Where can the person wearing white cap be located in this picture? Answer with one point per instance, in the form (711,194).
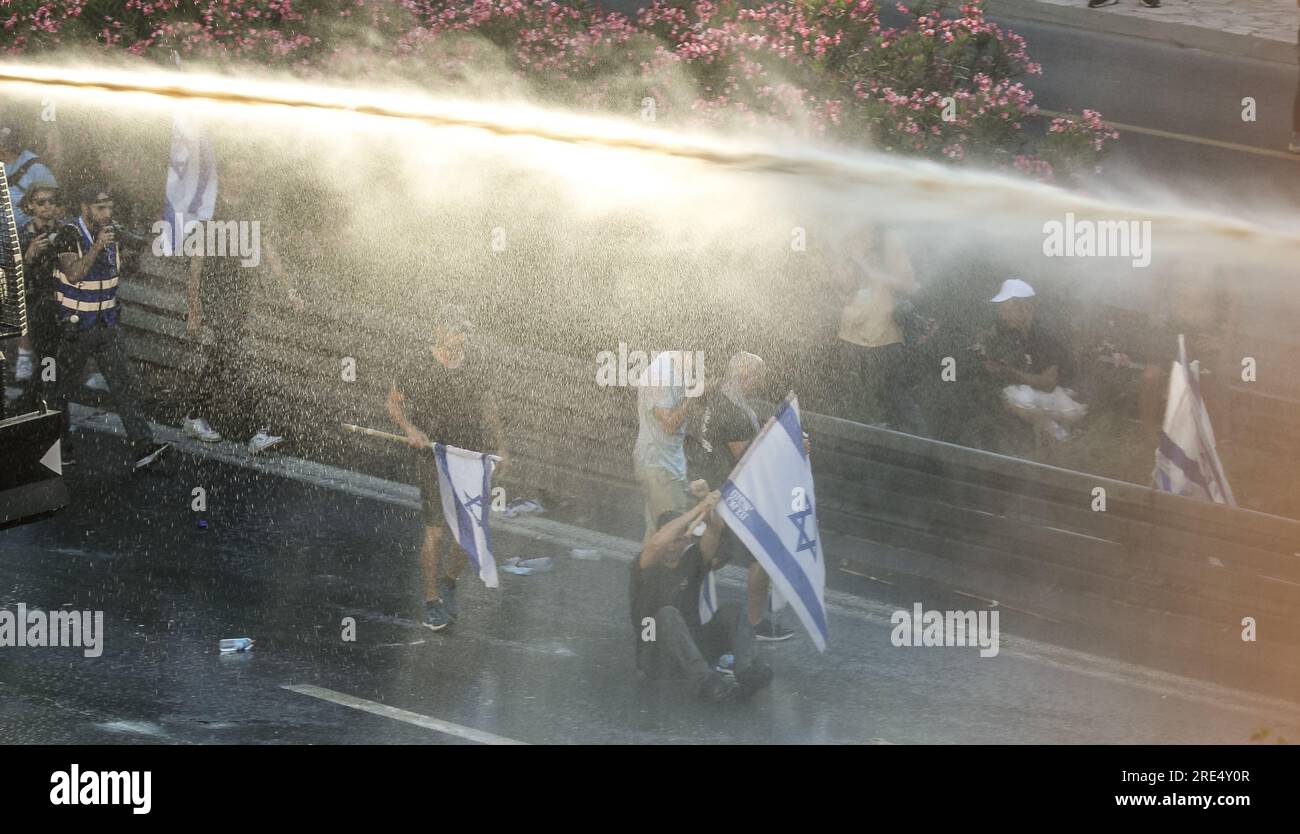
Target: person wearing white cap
(1029,364)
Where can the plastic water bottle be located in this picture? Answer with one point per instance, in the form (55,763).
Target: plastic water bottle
(238,644)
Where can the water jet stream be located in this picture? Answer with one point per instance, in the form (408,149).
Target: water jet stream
(836,169)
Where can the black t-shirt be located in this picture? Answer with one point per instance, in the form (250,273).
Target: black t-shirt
(1032,354)
(448,404)
(652,588)
(716,424)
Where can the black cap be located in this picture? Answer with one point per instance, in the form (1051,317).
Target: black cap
(91,194)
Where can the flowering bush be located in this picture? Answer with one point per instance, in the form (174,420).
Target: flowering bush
(944,86)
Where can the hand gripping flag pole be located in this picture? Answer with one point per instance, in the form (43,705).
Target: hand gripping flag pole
(769,503)
(465,484)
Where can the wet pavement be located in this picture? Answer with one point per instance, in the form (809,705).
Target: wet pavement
(545,658)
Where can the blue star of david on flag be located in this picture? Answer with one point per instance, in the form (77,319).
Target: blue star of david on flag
(799,519)
(465,482)
(474,504)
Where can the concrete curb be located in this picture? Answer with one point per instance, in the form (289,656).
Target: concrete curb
(1181,35)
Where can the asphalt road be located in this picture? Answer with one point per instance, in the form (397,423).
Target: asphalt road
(543,659)
(1192,94)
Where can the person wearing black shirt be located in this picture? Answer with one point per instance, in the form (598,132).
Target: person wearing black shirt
(35,239)
(1025,367)
(724,426)
(664,587)
(444,395)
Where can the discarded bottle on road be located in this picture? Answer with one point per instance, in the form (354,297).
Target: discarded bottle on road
(238,644)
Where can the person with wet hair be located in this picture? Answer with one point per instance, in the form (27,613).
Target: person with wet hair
(664,588)
(444,394)
(87,275)
(222,295)
(874,380)
(35,240)
(716,439)
(663,407)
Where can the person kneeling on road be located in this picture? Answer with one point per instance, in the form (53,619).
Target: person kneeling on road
(665,584)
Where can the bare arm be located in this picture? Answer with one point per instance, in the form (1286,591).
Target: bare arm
(414,436)
(664,537)
(671,419)
(75,268)
(712,538)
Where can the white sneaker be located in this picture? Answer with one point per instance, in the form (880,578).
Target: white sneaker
(262,441)
(199,429)
(1294,147)
(96,382)
(23,368)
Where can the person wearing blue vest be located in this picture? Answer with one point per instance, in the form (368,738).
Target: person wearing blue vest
(86,280)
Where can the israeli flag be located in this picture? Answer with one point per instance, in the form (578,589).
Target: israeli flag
(768,502)
(465,481)
(1186,461)
(708,597)
(191,181)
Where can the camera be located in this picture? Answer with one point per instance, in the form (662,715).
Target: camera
(125,235)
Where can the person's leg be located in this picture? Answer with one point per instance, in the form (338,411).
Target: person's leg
(854,379)
(674,653)
(898,394)
(758,587)
(110,356)
(43,336)
(69,364)
(430,549)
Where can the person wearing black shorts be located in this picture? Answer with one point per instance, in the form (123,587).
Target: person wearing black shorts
(444,395)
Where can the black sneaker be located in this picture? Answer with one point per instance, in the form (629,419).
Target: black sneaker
(752,679)
(1097,4)
(147,452)
(435,615)
(1151,4)
(719,689)
(771,632)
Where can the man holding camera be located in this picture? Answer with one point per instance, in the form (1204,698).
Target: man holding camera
(86,275)
(41,201)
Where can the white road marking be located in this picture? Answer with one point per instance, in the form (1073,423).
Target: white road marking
(428,723)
